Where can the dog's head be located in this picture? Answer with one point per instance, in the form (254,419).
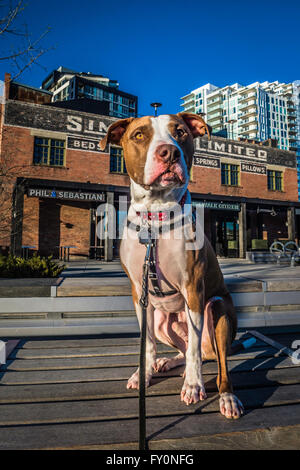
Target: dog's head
(158,151)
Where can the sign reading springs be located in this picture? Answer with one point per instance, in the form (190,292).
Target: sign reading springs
(204,161)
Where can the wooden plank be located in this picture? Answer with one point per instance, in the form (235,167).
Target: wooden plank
(279,438)
(89,370)
(127,408)
(86,435)
(117,389)
(89,342)
(60,353)
(65,376)
(84,352)
(131,360)
(82,342)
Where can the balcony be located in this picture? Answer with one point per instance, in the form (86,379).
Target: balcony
(216,107)
(247,123)
(248,104)
(188,102)
(248,97)
(249,111)
(243,92)
(251,129)
(214,100)
(214,116)
(190,109)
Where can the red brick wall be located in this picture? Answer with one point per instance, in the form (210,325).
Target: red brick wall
(31,213)
(81,166)
(84,166)
(75,226)
(207,180)
(49,223)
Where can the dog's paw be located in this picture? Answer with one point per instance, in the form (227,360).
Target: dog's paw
(192,393)
(163,364)
(134,382)
(230,406)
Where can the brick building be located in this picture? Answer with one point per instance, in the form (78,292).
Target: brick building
(248,191)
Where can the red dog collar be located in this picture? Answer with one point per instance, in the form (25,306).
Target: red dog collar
(159,216)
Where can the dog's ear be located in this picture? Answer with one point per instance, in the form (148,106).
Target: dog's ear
(115,132)
(196,124)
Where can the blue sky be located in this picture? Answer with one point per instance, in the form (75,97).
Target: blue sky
(160,50)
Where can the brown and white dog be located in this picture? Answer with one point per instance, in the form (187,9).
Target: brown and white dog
(198,318)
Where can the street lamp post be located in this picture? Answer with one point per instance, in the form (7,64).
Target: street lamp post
(155,106)
(231,122)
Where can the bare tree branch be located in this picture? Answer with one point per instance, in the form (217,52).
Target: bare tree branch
(26,50)
(10,17)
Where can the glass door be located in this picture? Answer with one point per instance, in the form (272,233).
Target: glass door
(225,241)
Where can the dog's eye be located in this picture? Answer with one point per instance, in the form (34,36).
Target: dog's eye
(180,132)
(139,136)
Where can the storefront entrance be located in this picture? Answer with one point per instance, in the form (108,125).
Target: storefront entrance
(224,233)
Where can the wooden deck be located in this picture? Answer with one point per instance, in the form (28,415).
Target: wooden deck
(70,393)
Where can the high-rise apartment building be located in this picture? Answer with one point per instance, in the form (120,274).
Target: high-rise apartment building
(66,85)
(259,111)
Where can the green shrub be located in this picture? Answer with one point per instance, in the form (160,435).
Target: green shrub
(14,266)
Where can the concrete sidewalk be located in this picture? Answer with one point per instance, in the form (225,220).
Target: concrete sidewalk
(96,273)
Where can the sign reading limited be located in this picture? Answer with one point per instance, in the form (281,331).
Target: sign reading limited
(66,195)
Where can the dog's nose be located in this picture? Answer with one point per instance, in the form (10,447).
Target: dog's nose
(168,153)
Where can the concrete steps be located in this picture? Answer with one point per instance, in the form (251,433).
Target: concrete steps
(265,257)
(109,307)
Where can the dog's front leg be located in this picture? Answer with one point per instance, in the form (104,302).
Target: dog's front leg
(193,388)
(133,382)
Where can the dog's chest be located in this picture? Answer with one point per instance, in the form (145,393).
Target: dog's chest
(170,266)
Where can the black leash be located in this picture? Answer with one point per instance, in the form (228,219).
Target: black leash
(145,239)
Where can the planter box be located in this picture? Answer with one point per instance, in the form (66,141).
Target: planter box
(257,244)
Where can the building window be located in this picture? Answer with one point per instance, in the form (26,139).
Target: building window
(275,180)
(49,152)
(117,161)
(229,174)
